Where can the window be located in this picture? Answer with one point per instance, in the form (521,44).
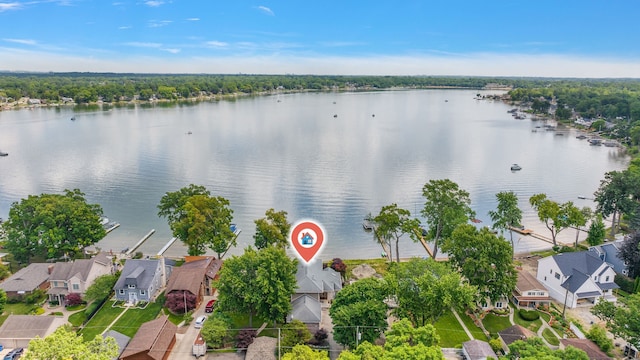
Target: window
(499,304)
(530,293)
(55,284)
(545,278)
(484,304)
(142,292)
(121,291)
(557,275)
(606,279)
(76,286)
(550,271)
(132,286)
(541,293)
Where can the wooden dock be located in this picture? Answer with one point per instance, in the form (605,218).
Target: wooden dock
(167,246)
(522,231)
(140,242)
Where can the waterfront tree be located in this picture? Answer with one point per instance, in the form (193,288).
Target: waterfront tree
(172,203)
(484,260)
(392,223)
(507,214)
(52,225)
(556,216)
(615,195)
(597,231)
(272,230)
(629,252)
(446,206)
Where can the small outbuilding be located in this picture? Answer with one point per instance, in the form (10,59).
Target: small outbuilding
(478,350)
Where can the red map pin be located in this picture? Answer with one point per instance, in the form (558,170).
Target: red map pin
(307,238)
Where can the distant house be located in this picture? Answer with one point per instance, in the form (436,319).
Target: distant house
(512,334)
(140,280)
(27,280)
(18,330)
(586,345)
(316,286)
(76,276)
(121,339)
(529,292)
(153,341)
(609,252)
(478,350)
(577,278)
(196,276)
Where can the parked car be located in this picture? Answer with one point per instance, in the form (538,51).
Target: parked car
(210,305)
(14,354)
(200,321)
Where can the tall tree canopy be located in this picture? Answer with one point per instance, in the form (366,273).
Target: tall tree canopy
(556,216)
(507,214)
(425,289)
(616,194)
(446,206)
(53,225)
(535,349)
(199,220)
(65,344)
(392,223)
(273,230)
(630,253)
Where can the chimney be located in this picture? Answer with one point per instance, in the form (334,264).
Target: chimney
(50,269)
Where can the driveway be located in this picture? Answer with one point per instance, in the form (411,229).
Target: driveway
(187,335)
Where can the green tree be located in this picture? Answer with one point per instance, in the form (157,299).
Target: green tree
(535,349)
(483,259)
(199,220)
(359,308)
(625,320)
(215,331)
(615,195)
(507,214)
(65,344)
(597,231)
(237,290)
(394,222)
(446,206)
(563,113)
(402,332)
(598,335)
(587,214)
(426,289)
(3,300)
(556,216)
(52,224)
(292,334)
(273,229)
(101,288)
(303,352)
(629,252)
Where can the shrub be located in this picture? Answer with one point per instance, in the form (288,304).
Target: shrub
(319,337)
(73,299)
(626,283)
(294,333)
(38,311)
(598,335)
(529,315)
(92,309)
(245,338)
(37,296)
(176,300)
(138,255)
(215,332)
(496,345)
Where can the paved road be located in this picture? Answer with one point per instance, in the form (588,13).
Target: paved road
(187,335)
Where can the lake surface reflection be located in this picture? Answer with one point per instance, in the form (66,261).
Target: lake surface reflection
(332,157)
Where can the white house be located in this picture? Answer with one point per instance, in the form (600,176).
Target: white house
(577,278)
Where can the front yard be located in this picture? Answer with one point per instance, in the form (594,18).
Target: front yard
(101,320)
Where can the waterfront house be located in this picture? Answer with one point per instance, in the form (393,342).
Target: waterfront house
(27,280)
(529,292)
(76,276)
(153,341)
(609,252)
(140,280)
(577,278)
(195,276)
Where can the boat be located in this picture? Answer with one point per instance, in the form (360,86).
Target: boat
(581,136)
(3,153)
(610,143)
(595,142)
(73,118)
(367,225)
(515,167)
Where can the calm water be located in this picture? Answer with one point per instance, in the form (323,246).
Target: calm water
(290,152)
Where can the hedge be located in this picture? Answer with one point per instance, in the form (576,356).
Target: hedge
(529,315)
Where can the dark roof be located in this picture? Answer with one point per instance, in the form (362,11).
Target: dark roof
(28,278)
(609,253)
(477,349)
(514,333)
(607,286)
(121,339)
(587,262)
(154,338)
(191,274)
(588,346)
(574,281)
(139,272)
(587,294)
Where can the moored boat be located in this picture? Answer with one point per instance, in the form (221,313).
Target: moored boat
(515,167)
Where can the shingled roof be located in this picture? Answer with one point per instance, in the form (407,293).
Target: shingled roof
(588,346)
(27,279)
(514,333)
(191,274)
(155,338)
(139,272)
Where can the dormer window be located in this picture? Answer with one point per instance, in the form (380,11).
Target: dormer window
(132,286)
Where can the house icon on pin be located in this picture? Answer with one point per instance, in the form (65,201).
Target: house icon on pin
(307,239)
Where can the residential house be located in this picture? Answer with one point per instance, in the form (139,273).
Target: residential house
(586,345)
(512,334)
(577,278)
(140,280)
(609,252)
(153,341)
(195,276)
(76,276)
(26,280)
(121,340)
(477,350)
(529,292)
(316,286)
(18,330)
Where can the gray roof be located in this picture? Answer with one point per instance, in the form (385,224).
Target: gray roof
(587,262)
(29,326)
(139,272)
(574,281)
(313,279)
(587,294)
(607,286)
(514,333)
(477,350)
(121,339)
(80,268)
(27,279)
(306,309)
(609,253)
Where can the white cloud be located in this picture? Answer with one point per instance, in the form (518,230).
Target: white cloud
(216,44)
(266,10)
(193,19)
(126,27)
(10,6)
(22,41)
(153,3)
(158,23)
(143,44)
(170,50)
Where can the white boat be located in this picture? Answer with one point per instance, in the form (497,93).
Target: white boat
(3,153)
(515,167)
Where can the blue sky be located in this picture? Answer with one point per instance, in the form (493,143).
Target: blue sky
(454,37)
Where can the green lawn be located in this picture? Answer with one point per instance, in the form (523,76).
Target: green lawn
(451,333)
(241,321)
(16,309)
(174,318)
(77,318)
(379,265)
(131,321)
(531,325)
(550,337)
(494,323)
(100,321)
(477,332)
(546,317)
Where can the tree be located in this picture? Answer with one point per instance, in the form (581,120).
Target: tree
(597,231)
(273,229)
(258,283)
(598,335)
(215,331)
(3,300)
(534,348)
(180,302)
(555,216)
(101,288)
(53,225)
(199,220)
(625,321)
(73,299)
(615,195)
(402,332)
(292,334)
(446,206)
(629,252)
(359,309)
(393,222)
(64,344)
(586,215)
(338,265)
(563,113)
(483,259)
(425,289)
(507,214)
(303,352)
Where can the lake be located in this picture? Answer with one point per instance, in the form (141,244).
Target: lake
(331,157)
